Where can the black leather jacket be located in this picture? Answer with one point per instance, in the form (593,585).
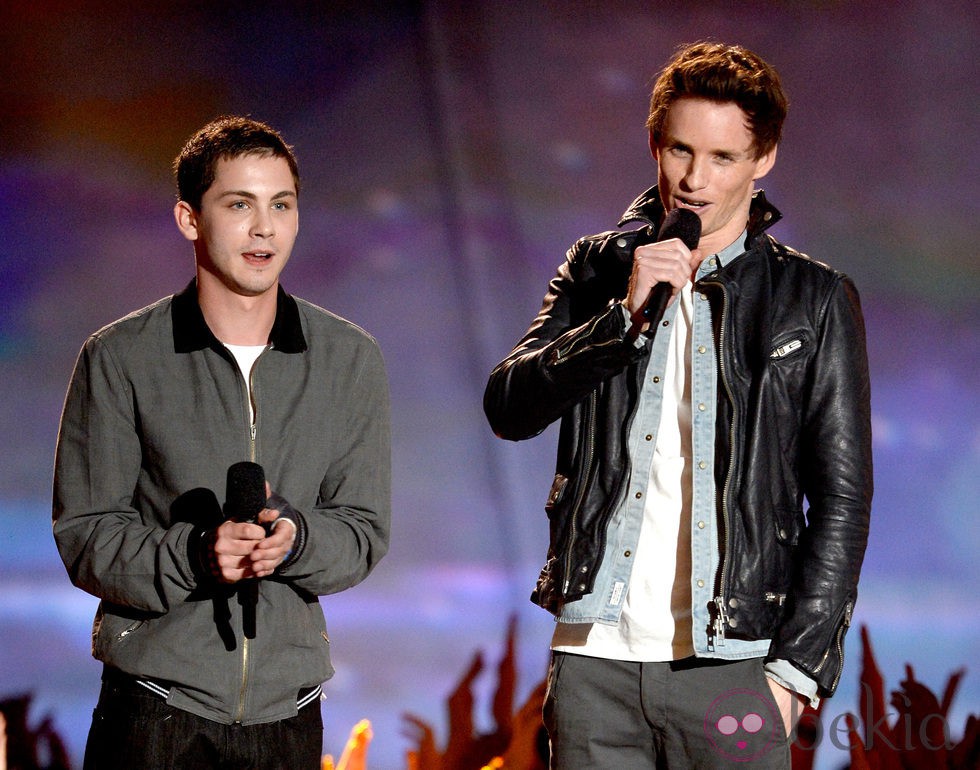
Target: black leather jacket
(793,421)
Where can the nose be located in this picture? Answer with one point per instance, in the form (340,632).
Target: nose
(262,224)
(695,175)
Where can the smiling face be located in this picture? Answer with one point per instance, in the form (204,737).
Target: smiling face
(707,163)
(246,226)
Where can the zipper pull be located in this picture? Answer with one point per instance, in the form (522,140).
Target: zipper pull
(786,349)
(720,621)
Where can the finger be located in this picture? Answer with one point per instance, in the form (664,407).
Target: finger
(267,515)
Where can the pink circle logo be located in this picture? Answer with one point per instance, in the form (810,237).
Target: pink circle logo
(742,725)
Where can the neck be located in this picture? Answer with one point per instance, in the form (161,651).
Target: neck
(236,319)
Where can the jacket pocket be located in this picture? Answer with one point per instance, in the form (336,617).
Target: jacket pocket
(112,631)
(789,345)
(786,524)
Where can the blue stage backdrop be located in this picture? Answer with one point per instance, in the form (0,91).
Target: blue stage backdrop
(449,157)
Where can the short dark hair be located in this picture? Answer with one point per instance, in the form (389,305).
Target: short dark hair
(230,136)
(723,73)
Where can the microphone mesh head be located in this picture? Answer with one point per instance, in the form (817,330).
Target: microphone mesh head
(683,224)
(245,491)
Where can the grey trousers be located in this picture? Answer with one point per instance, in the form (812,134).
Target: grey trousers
(678,715)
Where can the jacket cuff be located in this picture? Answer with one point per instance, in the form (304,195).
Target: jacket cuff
(199,555)
(789,676)
(286,511)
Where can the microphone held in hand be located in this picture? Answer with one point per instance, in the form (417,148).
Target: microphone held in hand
(245,492)
(679,223)
(244,499)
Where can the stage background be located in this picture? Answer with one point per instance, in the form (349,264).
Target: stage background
(449,157)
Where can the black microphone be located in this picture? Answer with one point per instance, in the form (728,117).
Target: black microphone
(245,492)
(244,498)
(679,223)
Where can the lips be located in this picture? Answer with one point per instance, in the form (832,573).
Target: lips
(687,203)
(257,255)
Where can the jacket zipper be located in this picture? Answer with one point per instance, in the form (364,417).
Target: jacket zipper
(721,618)
(563,354)
(838,645)
(128,630)
(252,410)
(848,609)
(583,486)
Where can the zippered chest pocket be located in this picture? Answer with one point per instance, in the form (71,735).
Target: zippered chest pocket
(790,345)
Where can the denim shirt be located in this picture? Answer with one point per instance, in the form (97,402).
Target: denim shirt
(604,604)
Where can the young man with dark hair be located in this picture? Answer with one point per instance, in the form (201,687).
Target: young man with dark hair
(210,630)
(699,605)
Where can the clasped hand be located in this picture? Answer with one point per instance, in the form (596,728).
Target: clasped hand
(242,550)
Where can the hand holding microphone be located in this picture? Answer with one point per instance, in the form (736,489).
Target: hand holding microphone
(240,549)
(681,224)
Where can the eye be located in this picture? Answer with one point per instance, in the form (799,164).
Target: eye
(239,205)
(281,206)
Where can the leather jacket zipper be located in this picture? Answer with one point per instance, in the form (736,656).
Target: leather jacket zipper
(579,344)
(721,618)
(838,644)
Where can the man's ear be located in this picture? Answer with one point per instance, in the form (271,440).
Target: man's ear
(186,218)
(765,163)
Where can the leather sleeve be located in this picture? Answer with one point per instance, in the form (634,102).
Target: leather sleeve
(578,340)
(837,481)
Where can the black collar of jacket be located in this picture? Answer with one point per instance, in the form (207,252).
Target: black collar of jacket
(191,331)
(648,208)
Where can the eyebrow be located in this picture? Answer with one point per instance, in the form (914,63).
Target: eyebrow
(252,196)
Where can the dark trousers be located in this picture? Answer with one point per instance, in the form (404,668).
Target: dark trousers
(135,729)
(654,716)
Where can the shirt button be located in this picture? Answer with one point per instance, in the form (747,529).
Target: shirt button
(627,554)
(648,437)
(701,407)
(702,465)
(656,380)
(712,261)
(700,525)
(704,297)
(702,349)
(700,584)
(666,323)
(639,495)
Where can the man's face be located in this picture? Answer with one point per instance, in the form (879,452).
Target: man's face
(247,224)
(707,164)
